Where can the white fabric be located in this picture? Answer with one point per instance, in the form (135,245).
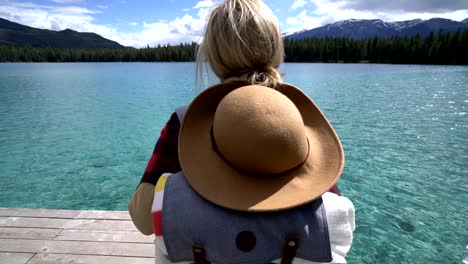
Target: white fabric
(340,217)
(180,111)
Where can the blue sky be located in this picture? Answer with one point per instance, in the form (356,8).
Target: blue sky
(150,22)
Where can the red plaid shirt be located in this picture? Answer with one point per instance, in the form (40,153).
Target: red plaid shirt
(165,157)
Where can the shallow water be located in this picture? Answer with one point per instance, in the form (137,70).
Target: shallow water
(78,136)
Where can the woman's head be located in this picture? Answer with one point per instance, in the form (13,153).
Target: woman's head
(242,41)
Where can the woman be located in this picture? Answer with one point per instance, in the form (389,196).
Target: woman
(255,154)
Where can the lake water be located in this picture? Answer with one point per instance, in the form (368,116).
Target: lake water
(78,136)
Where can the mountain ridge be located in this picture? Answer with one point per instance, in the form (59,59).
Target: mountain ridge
(368,28)
(15,34)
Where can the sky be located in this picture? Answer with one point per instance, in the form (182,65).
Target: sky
(139,23)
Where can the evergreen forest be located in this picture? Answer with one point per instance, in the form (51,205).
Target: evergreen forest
(436,48)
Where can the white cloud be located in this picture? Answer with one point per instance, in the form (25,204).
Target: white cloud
(102,6)
(204,4)
(69,1)
(299,20)
(48,17)
(133,23)
(187,28)
(327,11)
(277,10)
(298,3)
(185,9)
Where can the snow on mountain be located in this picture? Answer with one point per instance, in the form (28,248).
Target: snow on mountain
(362,28)
(402,25)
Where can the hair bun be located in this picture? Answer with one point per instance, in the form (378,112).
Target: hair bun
(267,76)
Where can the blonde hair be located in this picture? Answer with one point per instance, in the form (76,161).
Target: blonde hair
(242,41)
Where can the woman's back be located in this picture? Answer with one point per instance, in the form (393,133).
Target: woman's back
(257,157)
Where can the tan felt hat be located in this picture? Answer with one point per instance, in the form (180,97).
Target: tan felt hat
(253,148)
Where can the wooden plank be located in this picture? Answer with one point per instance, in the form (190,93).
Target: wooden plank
(83,224)
(31,233)
(26,212)
(109,236)
(14,258)
(67,236)
(33,222)
(86,259)
(77,248)
(77,214)
(109,215)
(104,225)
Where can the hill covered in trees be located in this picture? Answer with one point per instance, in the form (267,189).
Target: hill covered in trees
(19,35)
(441,48)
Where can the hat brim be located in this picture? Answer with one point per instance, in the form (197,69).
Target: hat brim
(215,180)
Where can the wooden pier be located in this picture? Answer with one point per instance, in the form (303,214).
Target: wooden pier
(35,236)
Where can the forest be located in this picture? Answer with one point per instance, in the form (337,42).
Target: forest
(437,48)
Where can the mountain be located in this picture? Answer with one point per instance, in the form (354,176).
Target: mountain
(353,28)
(362,28)
(402,25)
(19,35)
(434,25)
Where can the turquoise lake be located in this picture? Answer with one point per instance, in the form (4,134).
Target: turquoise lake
(78,136)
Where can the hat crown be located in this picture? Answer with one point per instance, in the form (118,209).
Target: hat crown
(259,130)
